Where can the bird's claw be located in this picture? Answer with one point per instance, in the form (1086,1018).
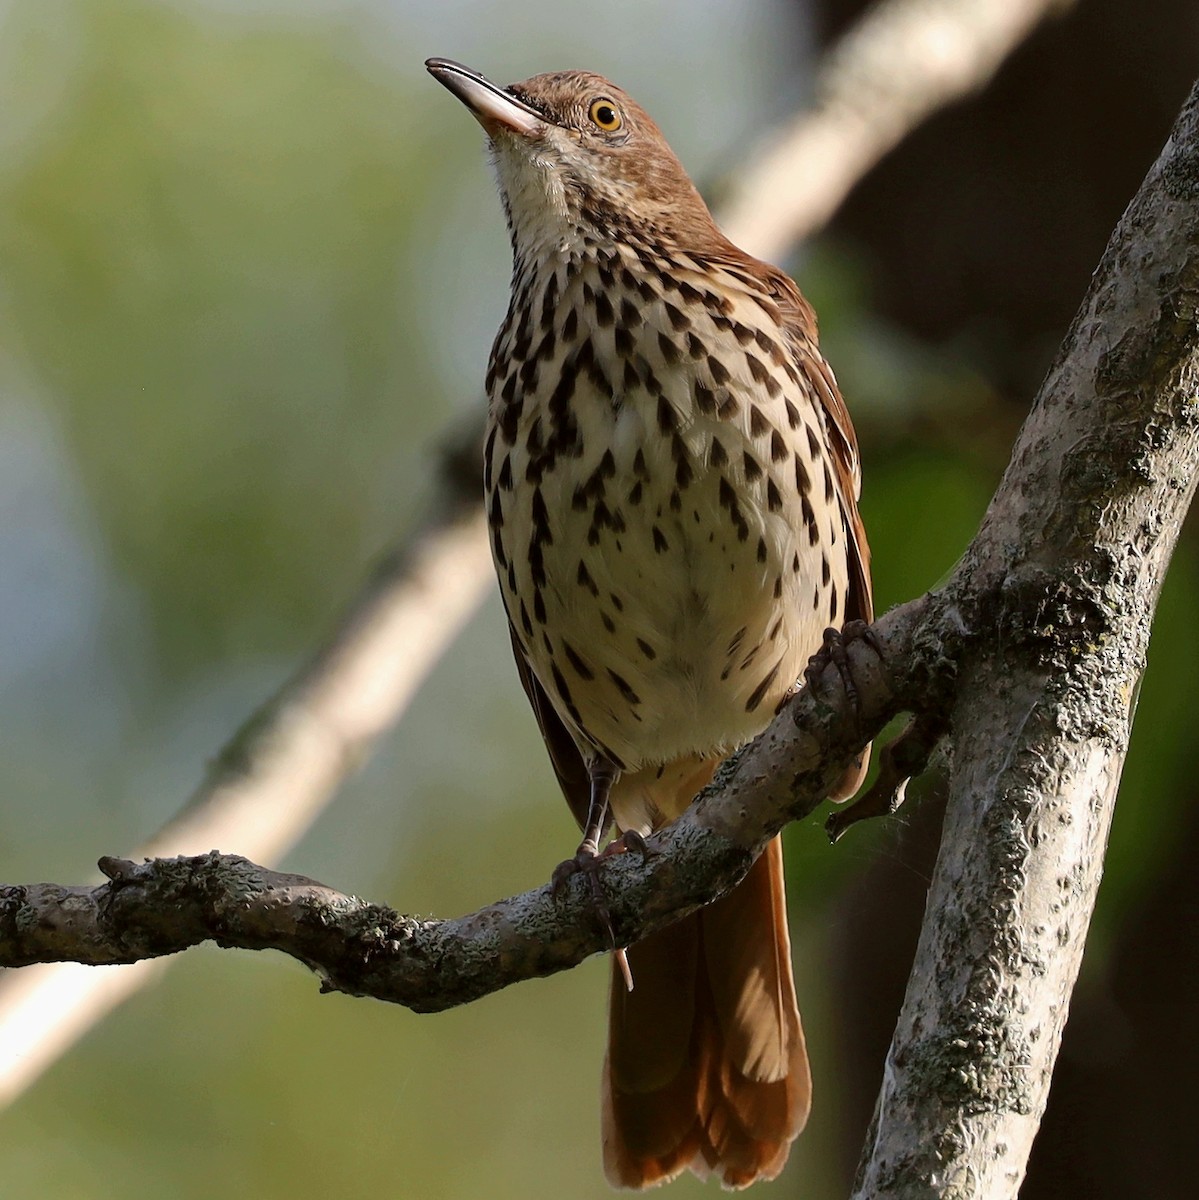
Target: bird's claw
(833,650)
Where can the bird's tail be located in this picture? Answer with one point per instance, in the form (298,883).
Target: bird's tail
(706,1064)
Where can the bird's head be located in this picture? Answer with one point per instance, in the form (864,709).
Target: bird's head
(577,157)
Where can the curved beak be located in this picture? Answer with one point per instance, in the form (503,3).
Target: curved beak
(492,107)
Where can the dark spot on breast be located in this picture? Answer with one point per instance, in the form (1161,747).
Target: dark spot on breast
(743,333)
(717,456)
(757,368)
(803,481)
(630,315)
(583,579)
(759,692)
(585,360)
(705,398)
(549,300)
(661,545)
(695,347)
(829,491)
(813,443)
(677,318)
(753,469)
(607,621)
(652,385)
(727,408)
(624,341)
(646,649)
(488,450)
(774,500)
(536,557)
(635,493)
(496,516)
(564,692)
(825,573)
(667,418)
(617,602)
(526,624)
(718,370)
(576,661)
(761,549)
(728,499)
(570,324)
(758,424)
(778,447)
(538,606)
(669,351)
(769,346)
(631,382)
(682,460)
(639,467)
(793,417)
(809,520)
(778,587)
(622,686)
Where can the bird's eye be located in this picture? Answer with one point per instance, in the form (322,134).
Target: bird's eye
(604,114)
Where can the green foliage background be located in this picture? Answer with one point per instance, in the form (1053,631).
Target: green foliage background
(250,263)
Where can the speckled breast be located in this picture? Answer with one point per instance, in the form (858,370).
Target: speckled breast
(663,514)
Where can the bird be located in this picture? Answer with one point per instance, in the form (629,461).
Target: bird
(672,481)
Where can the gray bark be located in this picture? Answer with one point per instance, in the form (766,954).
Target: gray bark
(1059,590)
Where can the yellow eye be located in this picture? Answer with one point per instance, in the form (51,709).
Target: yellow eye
(606,115)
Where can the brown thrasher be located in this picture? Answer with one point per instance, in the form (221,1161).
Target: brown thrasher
(672,482)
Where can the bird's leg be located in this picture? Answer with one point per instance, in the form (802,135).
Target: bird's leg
(603,774)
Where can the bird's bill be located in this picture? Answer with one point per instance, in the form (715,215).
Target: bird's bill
(492,107)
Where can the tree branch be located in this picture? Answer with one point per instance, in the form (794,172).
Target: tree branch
(1059,588)
(167,905)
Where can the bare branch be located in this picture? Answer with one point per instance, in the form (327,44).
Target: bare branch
(902,62)
(1064,575)
(303,742)
(166,905)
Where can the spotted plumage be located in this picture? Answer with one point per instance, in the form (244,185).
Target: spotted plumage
(671,481)
(672,425)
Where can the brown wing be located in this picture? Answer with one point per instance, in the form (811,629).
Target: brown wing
(797,317)
(564,754)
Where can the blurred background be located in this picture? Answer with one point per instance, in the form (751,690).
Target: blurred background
(250,266)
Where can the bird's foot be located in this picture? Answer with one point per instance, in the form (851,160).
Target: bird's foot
(833,650)
(587,862)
